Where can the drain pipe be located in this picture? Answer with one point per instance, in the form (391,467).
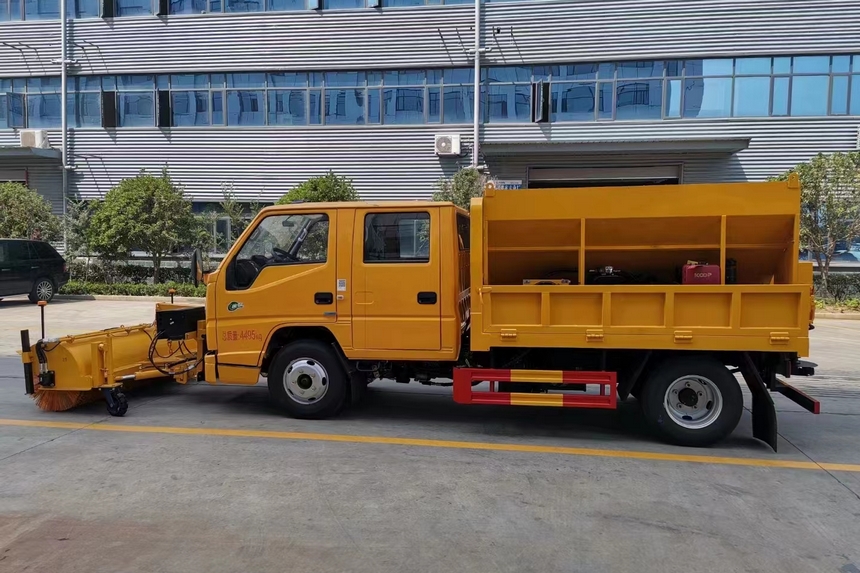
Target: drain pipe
(476,127)
(64,120)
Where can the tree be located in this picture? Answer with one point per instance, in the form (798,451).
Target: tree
(78,223)
(326,188)
(830,205)
(24,214)
(461,188)
(240,214)
(146,213)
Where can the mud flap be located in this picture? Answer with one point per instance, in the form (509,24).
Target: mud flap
(763,410)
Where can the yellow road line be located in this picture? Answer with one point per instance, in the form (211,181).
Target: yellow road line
(419,442)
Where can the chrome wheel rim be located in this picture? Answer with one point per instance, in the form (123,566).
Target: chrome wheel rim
(44,290)
(693,402)
(306,381)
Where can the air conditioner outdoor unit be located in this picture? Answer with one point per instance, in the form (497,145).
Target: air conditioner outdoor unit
(448,145)
(34,138)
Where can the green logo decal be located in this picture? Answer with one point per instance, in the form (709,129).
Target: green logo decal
(234,306)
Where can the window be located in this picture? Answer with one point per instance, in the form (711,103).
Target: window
(573,102)
(344,107)
(287,107)
(708,97)
(189,108)
(397,237)
(342,4)
(43,110)
(243,5)
(41,9)
(809,95)
(245,107)
(639,100)
(133,7)
(752,97)
(281,240)
(463,231)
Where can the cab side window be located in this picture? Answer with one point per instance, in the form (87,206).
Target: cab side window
(281,240)
(397,237)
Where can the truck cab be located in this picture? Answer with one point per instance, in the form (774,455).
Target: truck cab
(375,282)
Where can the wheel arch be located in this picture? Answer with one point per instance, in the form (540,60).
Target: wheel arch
(284,335)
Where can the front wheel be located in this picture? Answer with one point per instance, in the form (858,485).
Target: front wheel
(307,380)
(43,290)
(692,401)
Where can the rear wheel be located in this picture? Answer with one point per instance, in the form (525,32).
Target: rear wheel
(692,401)
(307,380)
(43,290)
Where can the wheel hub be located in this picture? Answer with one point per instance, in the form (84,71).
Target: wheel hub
(693,402)
(688,397)
(306,381)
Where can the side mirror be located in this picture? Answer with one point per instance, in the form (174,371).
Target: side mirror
(196,267)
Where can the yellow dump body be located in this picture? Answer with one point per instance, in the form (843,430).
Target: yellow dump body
(544,235)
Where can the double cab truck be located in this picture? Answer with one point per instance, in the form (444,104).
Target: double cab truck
(580,298)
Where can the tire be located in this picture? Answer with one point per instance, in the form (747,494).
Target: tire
(692,401)
(44,289)
(306,379)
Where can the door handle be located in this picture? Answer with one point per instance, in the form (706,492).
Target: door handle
(33,268)
(323,298)
(426,298)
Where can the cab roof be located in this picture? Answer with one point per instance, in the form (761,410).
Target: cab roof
(361,205)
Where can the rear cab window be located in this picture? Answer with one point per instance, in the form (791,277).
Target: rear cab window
(397,237)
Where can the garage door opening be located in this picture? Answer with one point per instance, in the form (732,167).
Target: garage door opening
(553,178)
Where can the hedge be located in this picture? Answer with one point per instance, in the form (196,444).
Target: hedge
(127,289)
(126,273)
(843,286)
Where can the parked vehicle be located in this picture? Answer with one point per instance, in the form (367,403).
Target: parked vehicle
(573,298)
(33,268)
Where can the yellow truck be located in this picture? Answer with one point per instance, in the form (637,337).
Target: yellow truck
(549,297)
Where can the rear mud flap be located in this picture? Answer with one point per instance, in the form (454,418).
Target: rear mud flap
(763,410)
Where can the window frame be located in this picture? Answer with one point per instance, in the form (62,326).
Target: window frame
(398,261)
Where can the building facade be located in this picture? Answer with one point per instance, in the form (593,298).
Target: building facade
(259,95)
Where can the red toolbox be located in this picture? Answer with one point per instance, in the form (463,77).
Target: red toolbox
(694,273)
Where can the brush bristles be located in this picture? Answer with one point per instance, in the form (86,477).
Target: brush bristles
(61,400)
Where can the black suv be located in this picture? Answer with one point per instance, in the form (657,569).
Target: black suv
(33,268)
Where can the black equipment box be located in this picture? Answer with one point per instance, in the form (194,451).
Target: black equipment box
(174,324)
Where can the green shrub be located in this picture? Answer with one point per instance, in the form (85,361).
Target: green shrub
(99,272)
(324,189)
(841,287)
(24,214)
(128,289)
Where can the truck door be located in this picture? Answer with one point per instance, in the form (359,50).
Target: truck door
(396,301)
(283,274)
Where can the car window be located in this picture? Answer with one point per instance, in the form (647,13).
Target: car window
(44,250)
(18,251)
(4,251)
(397,237)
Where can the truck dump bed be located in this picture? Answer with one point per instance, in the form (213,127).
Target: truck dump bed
(526,245)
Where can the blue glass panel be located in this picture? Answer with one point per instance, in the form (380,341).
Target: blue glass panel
(459,76)
(606,71)
(573,101)
(288,80)
(41,9)
(287,5)
(374,78)
(782,65)
(5,86)
(809,95)
(434,105)
(839,95)
(673,99)
(4,17)
(243,5)
(400,3)
(184,81)
(674,68)
(215,6)
(257,80)
(217,80)
(315,106)
(135,82)
(342,4)
(317,78)
(344,79)
(187,6)
(752,97)
(133,7)
(721,67)
(15,14)
(374,106)
(457,2)
(854,104)
(641,99)
(604,102)
(812,65)
(4,123)
(708,97)
(543,73)
(87,83)
(109,83)
(19,85)
(575,72)
(841,64)
(403,105)
(217,108)
(344,106)
(434,77)
(246,107)
(509,74)
(507,103)
(288,107)
(457,104)
(136,109)
(37,85)
(752,66)
(84,110)
(404,78)
(162,82)
(640,69)
(780,96)
(190,108)
(15,109)
(43,111)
